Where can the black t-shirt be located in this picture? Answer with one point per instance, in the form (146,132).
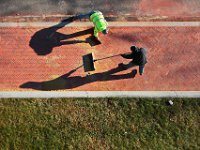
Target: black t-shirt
(138,56)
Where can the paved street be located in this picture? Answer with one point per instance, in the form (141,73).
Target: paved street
(118,10)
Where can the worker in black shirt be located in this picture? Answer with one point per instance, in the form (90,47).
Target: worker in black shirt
(138,56)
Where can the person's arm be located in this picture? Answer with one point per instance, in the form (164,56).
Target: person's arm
(141,69)
(95,32)
(106,23)
(127,55)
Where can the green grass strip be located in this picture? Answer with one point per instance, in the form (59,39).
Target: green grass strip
(100,123)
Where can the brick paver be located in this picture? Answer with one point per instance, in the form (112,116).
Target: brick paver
(25,64)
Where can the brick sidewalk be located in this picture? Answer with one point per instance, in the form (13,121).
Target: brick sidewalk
(173,60)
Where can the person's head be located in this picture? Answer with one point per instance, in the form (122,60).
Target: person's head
(133,48)
(105,31)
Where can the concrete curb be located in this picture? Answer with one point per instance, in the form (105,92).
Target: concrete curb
(102,94)
(111,24)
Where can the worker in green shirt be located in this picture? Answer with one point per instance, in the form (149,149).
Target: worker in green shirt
(97,18)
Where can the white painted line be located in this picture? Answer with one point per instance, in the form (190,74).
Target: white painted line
(111,24)
(93,94)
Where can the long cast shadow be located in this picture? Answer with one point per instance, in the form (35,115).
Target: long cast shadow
(66,82)
(43,41)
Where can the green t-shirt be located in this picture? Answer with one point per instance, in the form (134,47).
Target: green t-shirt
(99,21)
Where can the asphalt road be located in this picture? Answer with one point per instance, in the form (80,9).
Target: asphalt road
(139,8)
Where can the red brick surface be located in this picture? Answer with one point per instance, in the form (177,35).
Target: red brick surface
(170,8)
(173,60)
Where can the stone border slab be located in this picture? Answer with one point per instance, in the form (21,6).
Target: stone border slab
(111,24)
(103,94)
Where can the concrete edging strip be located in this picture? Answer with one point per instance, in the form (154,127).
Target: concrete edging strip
(95,94)
(111,24)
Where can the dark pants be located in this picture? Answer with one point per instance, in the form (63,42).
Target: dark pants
(132,64)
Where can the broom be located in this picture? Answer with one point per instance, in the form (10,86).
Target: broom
(88,61)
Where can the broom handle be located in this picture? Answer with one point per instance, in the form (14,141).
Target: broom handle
(107,57)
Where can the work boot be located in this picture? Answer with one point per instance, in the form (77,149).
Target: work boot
(134,71)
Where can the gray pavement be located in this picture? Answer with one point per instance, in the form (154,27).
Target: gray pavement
(86,94)
(141,9)
(70,7)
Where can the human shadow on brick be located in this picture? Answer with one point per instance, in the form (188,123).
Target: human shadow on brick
(43,41)
(69,82)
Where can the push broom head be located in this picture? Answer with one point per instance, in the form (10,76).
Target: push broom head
(88,62)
